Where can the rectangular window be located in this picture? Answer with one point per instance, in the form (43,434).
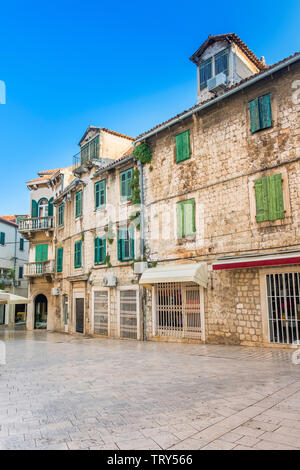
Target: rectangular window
(20,272)
(126,244)
(2,238)
(78,204)
(222,62)
(90,151)
(100,250)
(260,113)
(125,183)
(77,254)
(183,146)
(41,253)
(100,194)
(186,218)
(205,73)
(60,255)
(61,215)
(269,198)
(21,244)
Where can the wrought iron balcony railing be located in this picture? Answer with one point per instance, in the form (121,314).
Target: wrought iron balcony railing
(39,269)
(36,223)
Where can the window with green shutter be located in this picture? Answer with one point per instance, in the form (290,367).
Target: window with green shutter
(183,146)
(60,253)
(260,113)
(50,207)
(77,254)
(78,204)
(34,209)
(100,194)
(186,218)
(90,151)
(269,198)
(41,253)
(2,238)
(61,215)
(21,247)
(100,250)
(125,184)
(126,244)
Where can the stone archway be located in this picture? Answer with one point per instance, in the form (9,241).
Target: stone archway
(40,312)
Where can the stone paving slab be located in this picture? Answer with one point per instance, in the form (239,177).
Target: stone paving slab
(69,392)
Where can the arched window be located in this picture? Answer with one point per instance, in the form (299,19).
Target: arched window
(43,208)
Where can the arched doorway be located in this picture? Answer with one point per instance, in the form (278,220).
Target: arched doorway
(40,312)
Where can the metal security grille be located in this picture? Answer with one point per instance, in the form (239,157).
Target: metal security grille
(128,314)
(178,310)
(284,307)
(101,313)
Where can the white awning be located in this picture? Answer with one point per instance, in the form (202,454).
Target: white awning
(7,298)
(192,272)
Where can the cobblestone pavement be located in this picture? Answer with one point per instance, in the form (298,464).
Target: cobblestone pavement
(65,392)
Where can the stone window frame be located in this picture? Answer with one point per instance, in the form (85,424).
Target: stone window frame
(264,301)
(252,96)
(286,199)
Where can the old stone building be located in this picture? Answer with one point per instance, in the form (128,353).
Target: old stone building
(222,206)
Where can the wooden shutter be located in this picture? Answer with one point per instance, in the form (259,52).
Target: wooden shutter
(59,259)
(179,208)
(125,182)
(103,249)
(265,111)
(131,237)
(96,250)
(97,195)
(276,206)
(34,209)
(78,204)
(77,255)
(50,207)
(41,253)
(2,238)
(261,197)
(189,217)
(254,115)
(21,244)
(119,245)
(183,147)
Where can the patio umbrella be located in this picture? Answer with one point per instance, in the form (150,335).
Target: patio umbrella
(12,299)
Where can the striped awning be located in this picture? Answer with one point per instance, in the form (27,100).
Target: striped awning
(257,260)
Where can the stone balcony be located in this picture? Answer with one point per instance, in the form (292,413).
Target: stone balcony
(38,269)
(28,227)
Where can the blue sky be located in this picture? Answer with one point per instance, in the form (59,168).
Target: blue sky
(121,65)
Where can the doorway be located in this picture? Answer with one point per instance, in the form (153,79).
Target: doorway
(40,312)
(79,309)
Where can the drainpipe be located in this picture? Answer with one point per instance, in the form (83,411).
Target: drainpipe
(142,240)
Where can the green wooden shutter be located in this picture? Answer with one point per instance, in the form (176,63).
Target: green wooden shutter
(34,209)
(50,207)
(97,195)
(254,115)
(183,147)
(276,206)
(120,245)
(189,217)
(59,260)
(96,250)
(77,254)
(125,183)
(179,208)
(265,111)
(2,238)
(78,204)
(262,201)
(131,236)
(41,253)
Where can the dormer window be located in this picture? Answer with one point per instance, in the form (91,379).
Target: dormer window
(90,151)
(219,63)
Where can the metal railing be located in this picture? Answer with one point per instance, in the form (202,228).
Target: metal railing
(39,268)
(36,223)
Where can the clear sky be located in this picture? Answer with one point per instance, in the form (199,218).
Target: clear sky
(122,65)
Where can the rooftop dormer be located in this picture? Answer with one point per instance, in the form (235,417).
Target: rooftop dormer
(222,61)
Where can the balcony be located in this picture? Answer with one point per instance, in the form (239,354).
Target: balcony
(36,224)
(44,268)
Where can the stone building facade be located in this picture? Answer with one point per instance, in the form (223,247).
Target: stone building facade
(252,291)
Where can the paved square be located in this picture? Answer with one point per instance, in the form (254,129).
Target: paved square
(66,392)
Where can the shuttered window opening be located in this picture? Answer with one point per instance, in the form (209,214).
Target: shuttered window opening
(183,146)
(60,255)
(101,313)
(269,198)
(283,294)
(205,69)
(260,113)
(126,244)
(77,254)
(2,238)
(186,218)
(128,314)
(78,204)
(61,215)
(100,250)
(100,194)
(178,310)
(125,183)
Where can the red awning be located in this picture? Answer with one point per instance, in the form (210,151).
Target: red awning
(257,261)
